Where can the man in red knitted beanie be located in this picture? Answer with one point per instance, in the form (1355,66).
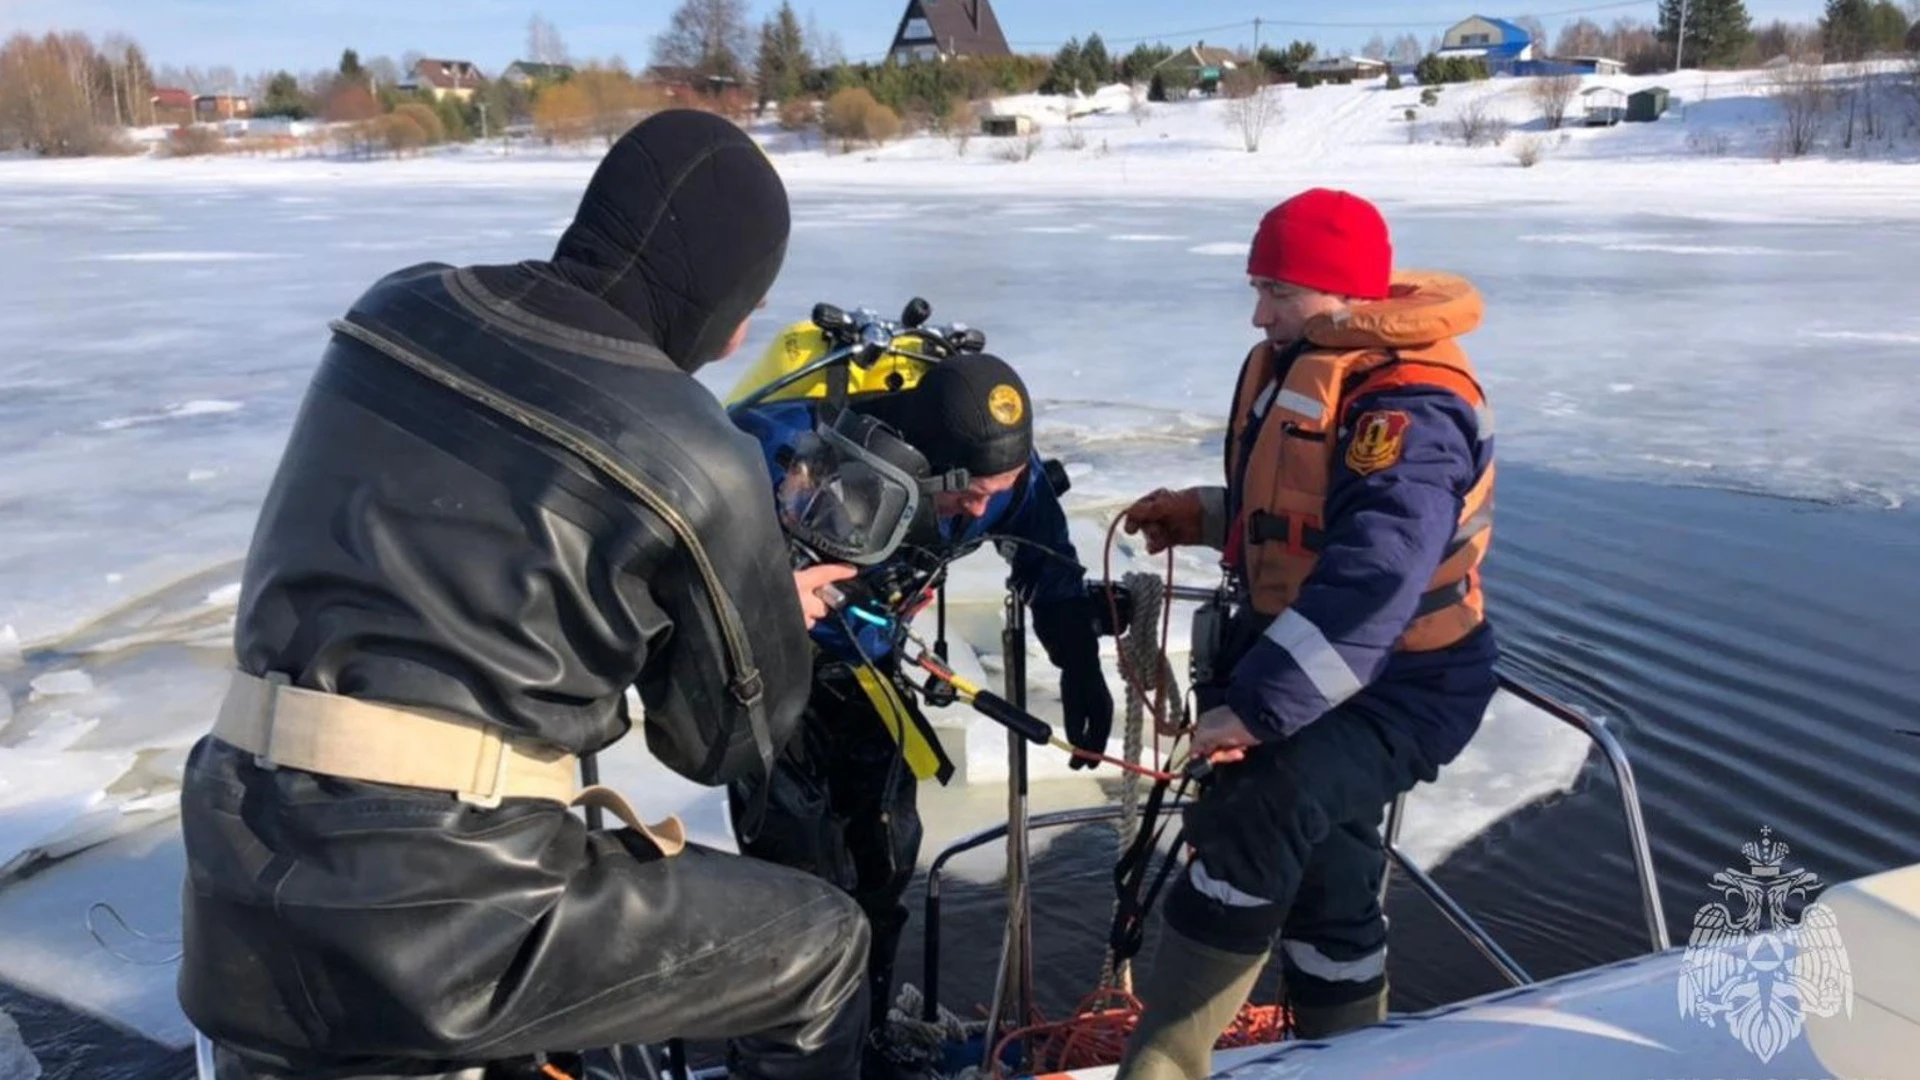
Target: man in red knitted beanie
(1357,661)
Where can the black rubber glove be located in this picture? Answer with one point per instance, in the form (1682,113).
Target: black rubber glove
(1066,629)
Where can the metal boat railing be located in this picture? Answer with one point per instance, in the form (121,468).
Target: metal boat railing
(1015,979)
(1017,942)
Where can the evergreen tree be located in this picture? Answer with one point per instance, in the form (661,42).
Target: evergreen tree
(1064,77)
(1095,64)
(1283,63)
(783,61)
(1717,31)
(350,65)
(1846,32)
(283,98)
(1140,63)
(1889,25)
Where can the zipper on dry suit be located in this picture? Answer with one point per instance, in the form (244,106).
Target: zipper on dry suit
(745,683)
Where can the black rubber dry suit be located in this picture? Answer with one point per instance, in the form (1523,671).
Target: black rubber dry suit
(431,539)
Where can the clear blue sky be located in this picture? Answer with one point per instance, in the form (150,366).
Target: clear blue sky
(253,35)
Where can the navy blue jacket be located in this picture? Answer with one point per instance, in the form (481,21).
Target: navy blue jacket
(1385,535)
(1028,512)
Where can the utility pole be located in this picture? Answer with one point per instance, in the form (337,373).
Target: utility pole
(483,122)
(1256,37)
(1680,36)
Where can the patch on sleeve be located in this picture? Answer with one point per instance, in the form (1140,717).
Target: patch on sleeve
(1379,437)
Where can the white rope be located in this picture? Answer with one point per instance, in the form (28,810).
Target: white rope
(1145,668)
(1144,664)
(909,1040)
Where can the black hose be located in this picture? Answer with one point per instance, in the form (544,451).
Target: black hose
(1018,720)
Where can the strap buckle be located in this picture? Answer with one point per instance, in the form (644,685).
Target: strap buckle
(490,778)
(264,760)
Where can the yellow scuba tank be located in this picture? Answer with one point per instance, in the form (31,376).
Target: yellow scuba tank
(798,345)
(802,343)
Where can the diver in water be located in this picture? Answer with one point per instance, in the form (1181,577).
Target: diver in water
(843,799)
(505,501)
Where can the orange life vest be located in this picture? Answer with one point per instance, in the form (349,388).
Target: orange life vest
(1404,340)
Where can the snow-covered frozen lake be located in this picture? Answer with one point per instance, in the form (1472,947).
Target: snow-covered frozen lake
(160,335)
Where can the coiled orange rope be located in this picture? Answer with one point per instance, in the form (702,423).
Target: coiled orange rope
(1096,1034)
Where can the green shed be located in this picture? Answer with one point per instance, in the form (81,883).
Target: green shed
(1645,106)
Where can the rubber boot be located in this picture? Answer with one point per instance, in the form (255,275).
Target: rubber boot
(1326,1021)
(1190,996)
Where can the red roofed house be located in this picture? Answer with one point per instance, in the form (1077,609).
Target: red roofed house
(445,78)
(172,105)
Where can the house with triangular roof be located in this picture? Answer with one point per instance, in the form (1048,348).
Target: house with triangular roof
(444,78)
(1199,65)
(1497,43)
(943,29)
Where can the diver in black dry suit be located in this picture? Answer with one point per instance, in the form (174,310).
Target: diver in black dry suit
(504,501)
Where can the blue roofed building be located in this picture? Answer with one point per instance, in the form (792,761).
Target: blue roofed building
(1495,42)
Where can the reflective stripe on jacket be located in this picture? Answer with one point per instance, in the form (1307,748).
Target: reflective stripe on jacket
(1360,476)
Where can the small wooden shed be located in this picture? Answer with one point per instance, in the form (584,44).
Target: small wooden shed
(1006,125)
(1646,106)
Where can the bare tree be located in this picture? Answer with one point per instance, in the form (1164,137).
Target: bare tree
(1805,100)
(706,37)
(315,84)
(1252,106)
(544,45)
(1582,37)
(77,62)
(1474,125)
(55,96)
(1629,37)
(828,52)
(385,71)
(1375,48)
(1554,93)
(961,122)
(116,50)
(1857,99)
(222,79)
(1795,41)
(254,87)
(1407,50)
(1909,85)
(1535,29)
(136,83)
(410,60)
(175,77)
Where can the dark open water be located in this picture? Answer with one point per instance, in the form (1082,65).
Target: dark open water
(1756,656)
